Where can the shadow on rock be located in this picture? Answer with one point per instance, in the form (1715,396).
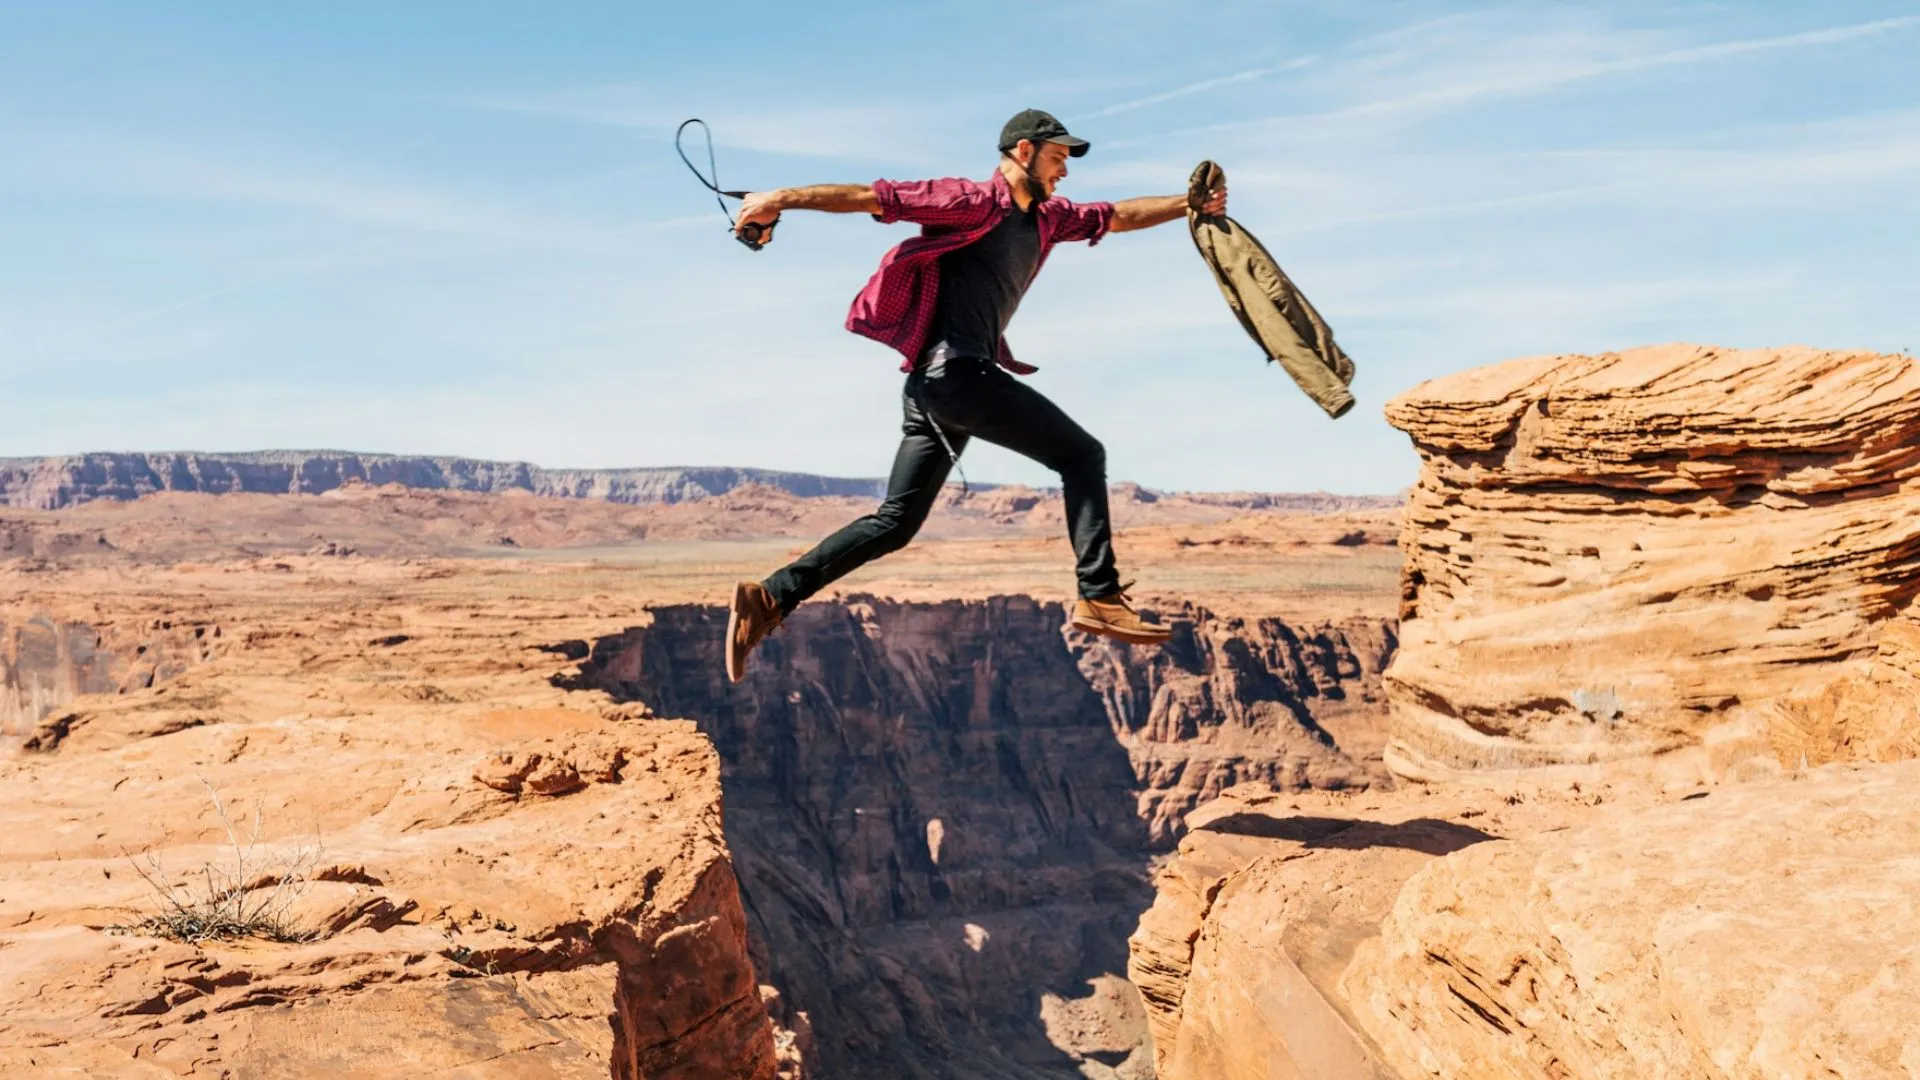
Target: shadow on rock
(936,834)
(1430,836)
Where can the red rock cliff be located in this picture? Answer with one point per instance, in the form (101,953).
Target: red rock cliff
(942,814)
(485,875)
(1607,555)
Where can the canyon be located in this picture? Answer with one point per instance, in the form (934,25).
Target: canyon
(1503,781)
(942,814)
(933,813)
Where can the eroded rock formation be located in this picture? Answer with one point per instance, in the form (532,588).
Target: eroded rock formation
(45,664)
(1605,556)
(460,919)
(1764,928)
(942,814)
(1608,559)
(482,874)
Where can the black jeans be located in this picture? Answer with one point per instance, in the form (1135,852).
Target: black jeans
(967,397)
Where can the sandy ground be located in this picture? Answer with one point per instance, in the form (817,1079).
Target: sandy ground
(1260,562)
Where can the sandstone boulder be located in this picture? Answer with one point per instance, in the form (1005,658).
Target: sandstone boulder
(1761,929)
(1608,555)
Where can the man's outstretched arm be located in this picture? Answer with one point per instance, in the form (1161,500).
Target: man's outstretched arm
(1154,210)
(761,207)
(947,203)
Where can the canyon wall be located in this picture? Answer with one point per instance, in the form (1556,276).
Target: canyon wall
(942,815)
(1607,559)
(438,861)
(1607,556)
(1870,716)
(52,483)
(46,663)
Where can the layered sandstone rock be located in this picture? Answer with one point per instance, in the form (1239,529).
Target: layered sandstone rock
(1768,929)
(459,921)
(1753,929)
(1607,558)
(1607,555)
(482,874)
(1259,913)
(943,813)
(1873,716)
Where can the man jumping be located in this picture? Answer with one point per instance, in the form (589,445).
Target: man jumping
(943,301)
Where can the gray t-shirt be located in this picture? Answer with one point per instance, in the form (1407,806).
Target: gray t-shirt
(981,285)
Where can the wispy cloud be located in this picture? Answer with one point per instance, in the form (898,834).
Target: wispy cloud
(1552,76)
(1204,85)
(278,272)
(1807,164)
(1831,35)
(1516,66)
(356,220)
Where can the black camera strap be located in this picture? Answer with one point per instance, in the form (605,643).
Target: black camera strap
(753,235)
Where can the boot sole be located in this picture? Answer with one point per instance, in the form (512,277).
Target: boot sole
(736,660)
(1131,637)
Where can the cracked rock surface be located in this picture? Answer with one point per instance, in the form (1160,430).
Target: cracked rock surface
(496,877)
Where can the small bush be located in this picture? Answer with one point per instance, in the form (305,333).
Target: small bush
(250,897)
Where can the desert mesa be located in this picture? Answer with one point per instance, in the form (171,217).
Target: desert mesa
(1590,755)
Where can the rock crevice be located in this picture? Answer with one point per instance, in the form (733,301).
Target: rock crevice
(943,814)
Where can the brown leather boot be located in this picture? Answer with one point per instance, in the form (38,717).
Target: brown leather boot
(750,618)
(1113,615)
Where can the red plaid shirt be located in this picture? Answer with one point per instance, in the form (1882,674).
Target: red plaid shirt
(896,307)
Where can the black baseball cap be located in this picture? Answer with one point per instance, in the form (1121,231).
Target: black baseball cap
(1037,127)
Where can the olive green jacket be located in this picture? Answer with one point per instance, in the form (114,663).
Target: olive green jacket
(1271,308)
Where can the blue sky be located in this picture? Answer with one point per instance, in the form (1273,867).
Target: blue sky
(460,228)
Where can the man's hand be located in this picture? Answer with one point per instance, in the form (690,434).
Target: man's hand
(1216,203)
(1207,190)
(759,208)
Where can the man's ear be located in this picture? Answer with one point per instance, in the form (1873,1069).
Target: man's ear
(1025,153)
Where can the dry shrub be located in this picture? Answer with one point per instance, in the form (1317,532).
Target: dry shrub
(248,894)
